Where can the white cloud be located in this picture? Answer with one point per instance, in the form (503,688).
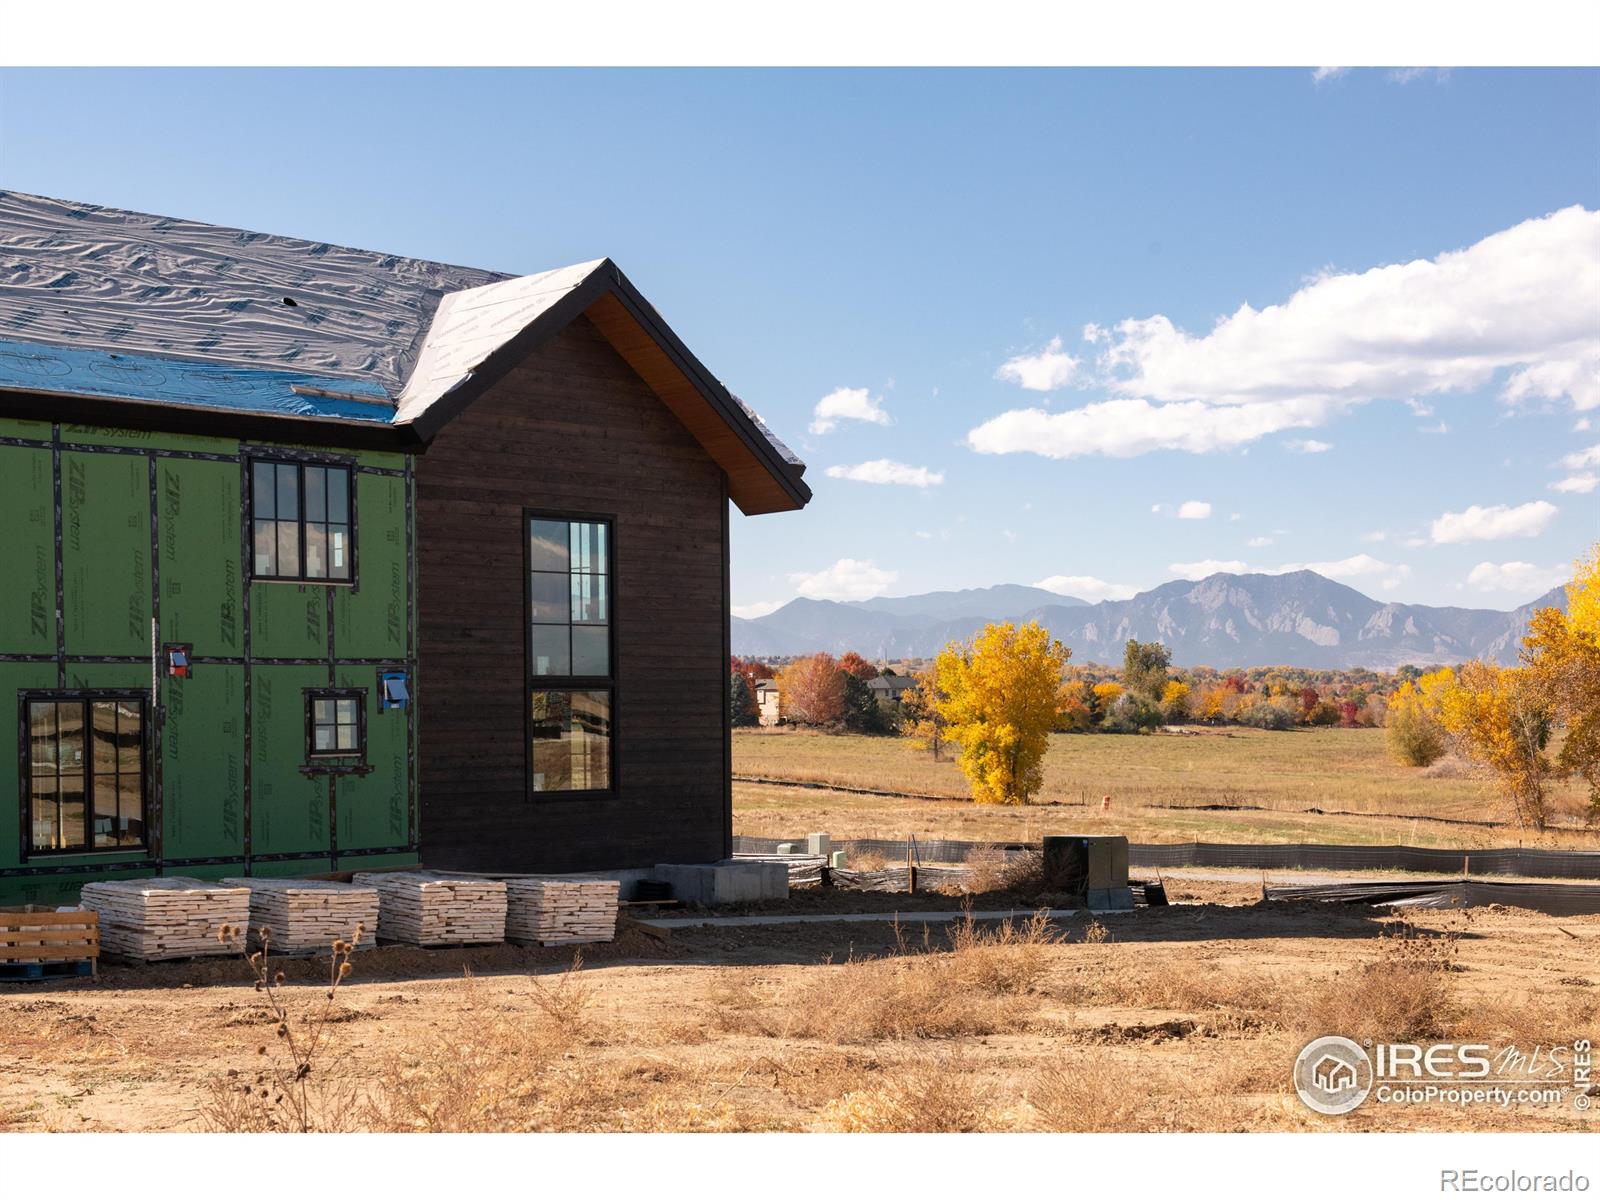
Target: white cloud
(886,470)
(1125,428)
(1323,74)
(847,404)
(925,535)
(1087,587)
(1520,300)
(1579,459)
(1309,445)
(1010,535)
(1158,509)
(1404,75)
(1482,524)
(759,609)
(1377,535)
(1194,510)
(847,579)
(1047,371)
(1259,541)
(1582,425)
(1206,566)
(1580,484)
(1516,577)
(1356,566)
(1441,427)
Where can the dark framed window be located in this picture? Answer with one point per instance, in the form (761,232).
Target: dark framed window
(571,654)
(336,725)
(84,763)
(302,522)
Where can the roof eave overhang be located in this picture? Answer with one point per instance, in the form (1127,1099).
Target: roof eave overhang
(760,479)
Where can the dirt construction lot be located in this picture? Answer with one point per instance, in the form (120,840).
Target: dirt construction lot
(1162,1019)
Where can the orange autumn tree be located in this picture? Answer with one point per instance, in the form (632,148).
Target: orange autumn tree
(811,690)
(1000,697)
(856,665)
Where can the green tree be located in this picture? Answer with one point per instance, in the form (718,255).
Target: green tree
(1144,669)
(742,701)
(861,711)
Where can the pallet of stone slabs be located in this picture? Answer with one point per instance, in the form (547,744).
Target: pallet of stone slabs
(429,908)
(38,944)
(306,916)
(560,910)
(152,920)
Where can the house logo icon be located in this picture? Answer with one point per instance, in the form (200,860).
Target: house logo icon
(1332,1075)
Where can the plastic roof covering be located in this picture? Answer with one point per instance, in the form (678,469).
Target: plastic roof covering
(166,309)
(36,367)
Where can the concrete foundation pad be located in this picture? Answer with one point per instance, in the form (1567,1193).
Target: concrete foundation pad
(725,882)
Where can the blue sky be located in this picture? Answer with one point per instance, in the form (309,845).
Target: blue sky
(895,238)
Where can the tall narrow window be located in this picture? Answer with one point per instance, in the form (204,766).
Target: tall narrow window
(300,521)
(570,671)
(85,772)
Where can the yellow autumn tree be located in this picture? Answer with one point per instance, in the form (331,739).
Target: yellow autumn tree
(1498,718)
(999,697)
(1175,702)
(1562,656)
(920,719)
(1412,725)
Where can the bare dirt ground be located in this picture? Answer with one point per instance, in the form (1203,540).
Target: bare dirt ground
(1180,1018)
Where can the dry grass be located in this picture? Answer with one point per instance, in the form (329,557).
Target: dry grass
(1090,1092)
(1236,785)
(1405,993)
(1183,1019)
(930,1094)
(975,981)
(995,871)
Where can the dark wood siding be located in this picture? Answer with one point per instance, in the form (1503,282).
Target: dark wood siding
(572,429)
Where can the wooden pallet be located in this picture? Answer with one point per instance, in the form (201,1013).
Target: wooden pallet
(306,916)
(53,940)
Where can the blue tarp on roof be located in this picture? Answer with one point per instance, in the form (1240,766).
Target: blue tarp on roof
(74,371)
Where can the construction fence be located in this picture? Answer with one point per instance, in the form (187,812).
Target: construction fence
(1281,856)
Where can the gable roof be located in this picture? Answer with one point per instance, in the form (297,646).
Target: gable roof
(102,308)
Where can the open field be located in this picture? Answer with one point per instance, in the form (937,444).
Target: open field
(1182,1018)
(1159,787)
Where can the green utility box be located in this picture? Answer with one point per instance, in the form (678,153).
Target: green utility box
(1094,866)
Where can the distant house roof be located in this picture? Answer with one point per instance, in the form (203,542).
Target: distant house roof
(892,685)
(104,307)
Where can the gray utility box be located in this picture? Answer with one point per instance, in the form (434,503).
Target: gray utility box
(1093,866)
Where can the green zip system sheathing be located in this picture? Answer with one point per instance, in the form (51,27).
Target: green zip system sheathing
(116,544)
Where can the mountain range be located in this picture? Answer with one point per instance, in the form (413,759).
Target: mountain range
(1297,619)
